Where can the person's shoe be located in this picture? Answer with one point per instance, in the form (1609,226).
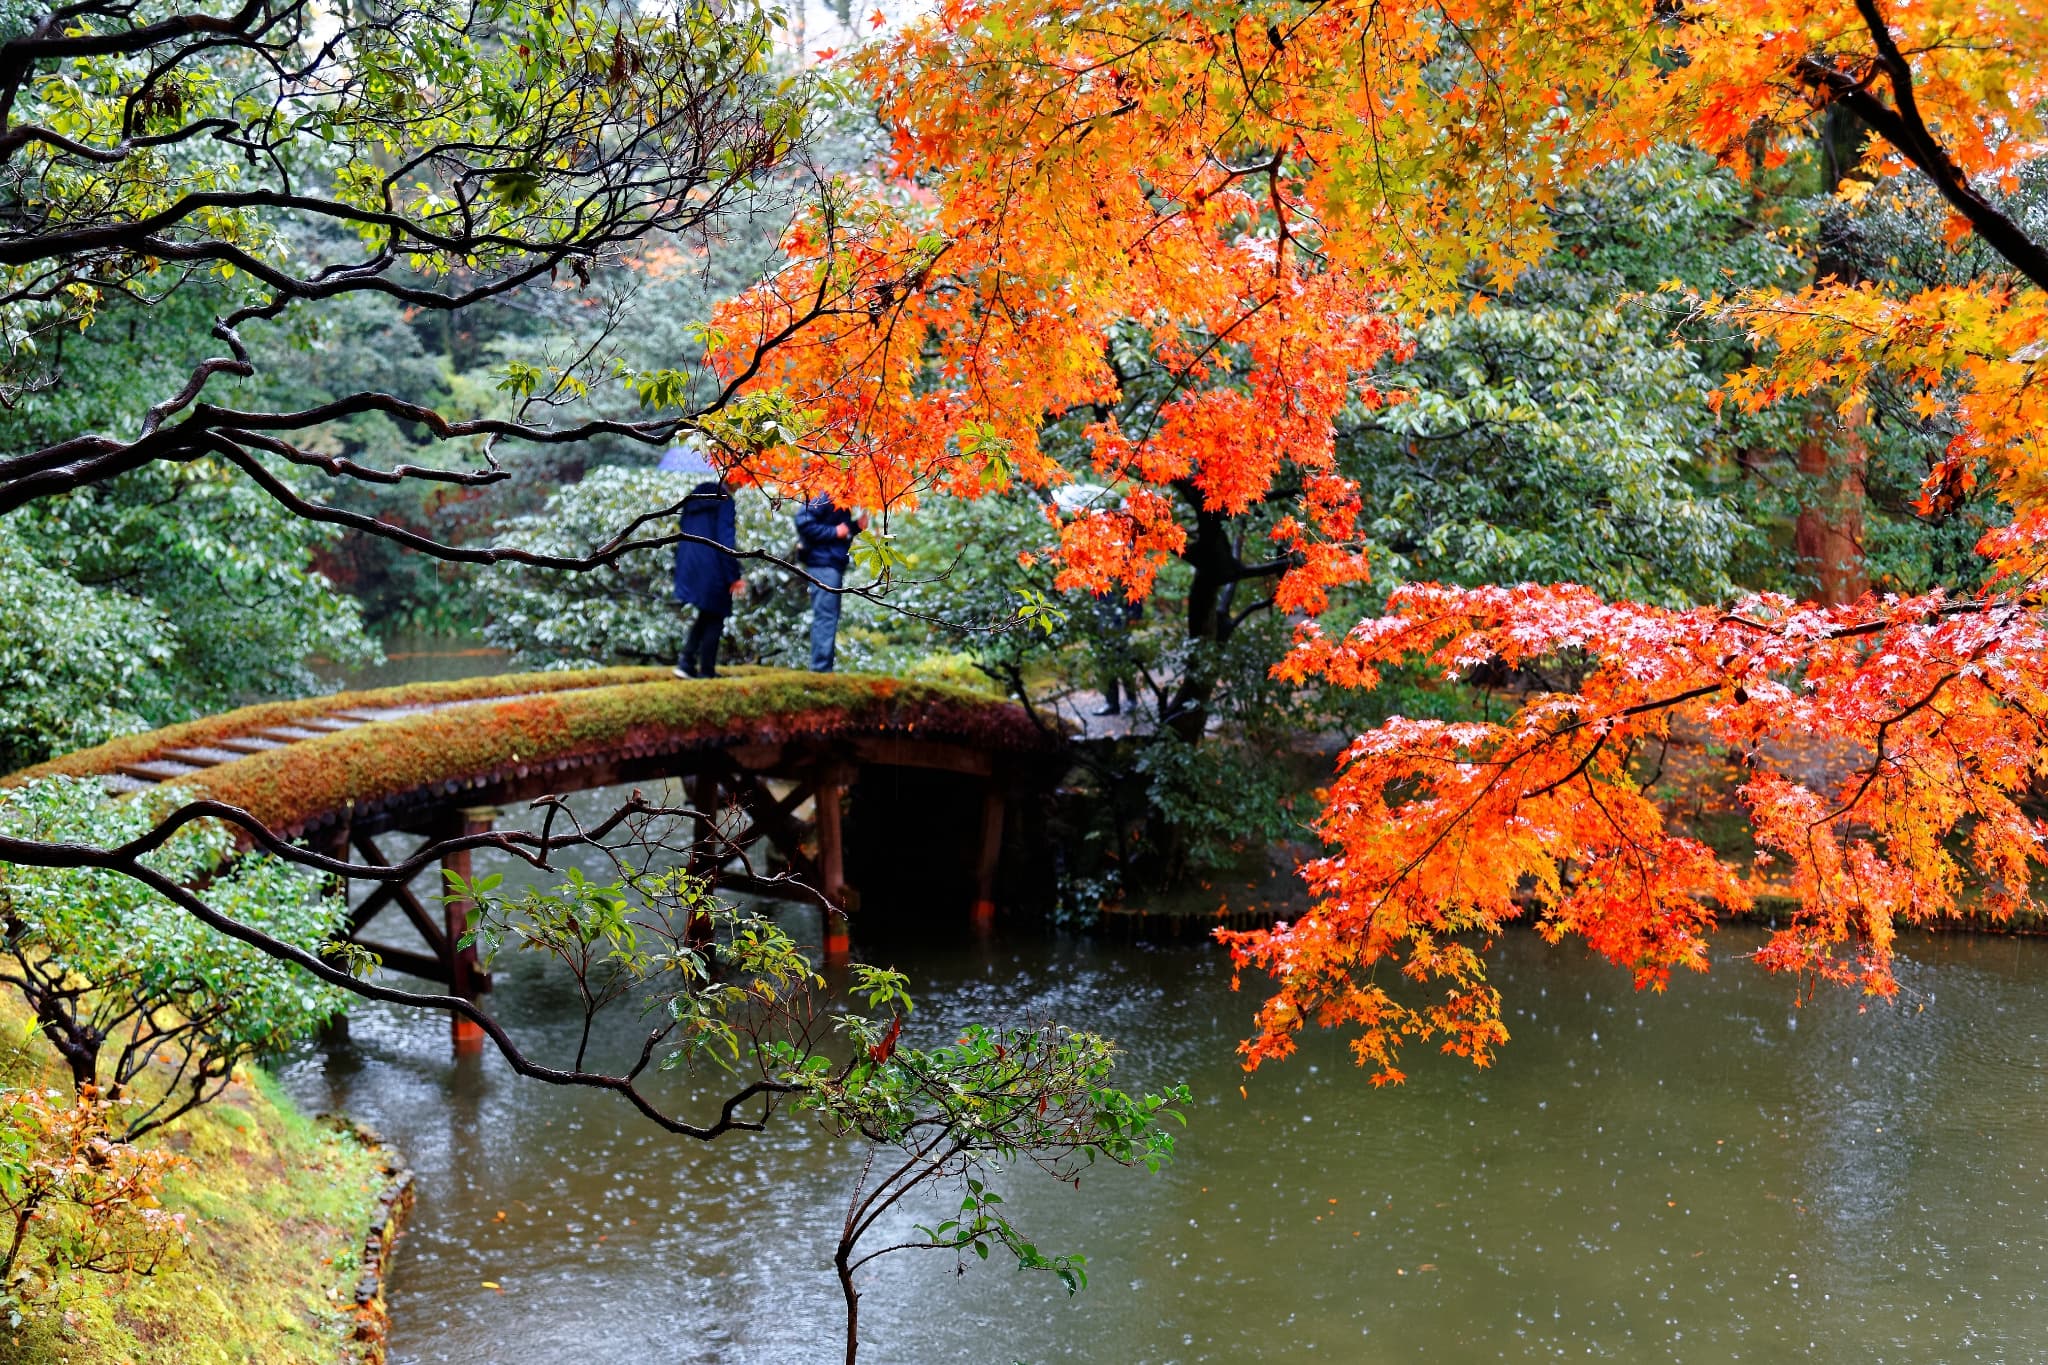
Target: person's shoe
(682,672)
(1112,709)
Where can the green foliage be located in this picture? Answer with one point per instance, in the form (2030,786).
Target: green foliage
(141,999)
(1544,443)
(1219,795)
(77,664)
(165,593)
(1562,431)
(174,592)
(957,587)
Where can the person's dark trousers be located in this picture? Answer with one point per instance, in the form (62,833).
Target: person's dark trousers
(825,618)
(700,650)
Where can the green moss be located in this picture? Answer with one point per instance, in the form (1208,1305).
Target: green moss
(107,757)
(290,787)
(957,670)
(276,1204)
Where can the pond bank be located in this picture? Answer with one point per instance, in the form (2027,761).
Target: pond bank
(291,1221)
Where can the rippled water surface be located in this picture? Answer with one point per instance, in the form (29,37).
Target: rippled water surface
(1704,1176)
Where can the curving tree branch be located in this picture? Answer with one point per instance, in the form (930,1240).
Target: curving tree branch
(129,860)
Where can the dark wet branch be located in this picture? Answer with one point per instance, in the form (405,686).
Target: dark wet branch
(36,853)
(1902,124)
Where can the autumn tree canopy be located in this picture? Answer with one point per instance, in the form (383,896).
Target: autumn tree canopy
(1270,194)
(1264,205)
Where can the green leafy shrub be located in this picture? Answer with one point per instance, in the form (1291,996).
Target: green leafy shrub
(146,1005)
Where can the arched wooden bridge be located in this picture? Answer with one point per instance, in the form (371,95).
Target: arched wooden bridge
(436,759)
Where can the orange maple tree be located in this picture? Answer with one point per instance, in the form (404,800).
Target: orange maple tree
(1262,189)
(941,332)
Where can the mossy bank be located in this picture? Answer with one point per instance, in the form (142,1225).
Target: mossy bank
(277,1206)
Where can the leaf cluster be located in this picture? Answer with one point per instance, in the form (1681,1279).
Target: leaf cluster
(74,1199)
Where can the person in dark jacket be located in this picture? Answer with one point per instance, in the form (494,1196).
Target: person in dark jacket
(707,574)
(824,534)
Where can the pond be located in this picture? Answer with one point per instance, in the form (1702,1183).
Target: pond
(1708,1175)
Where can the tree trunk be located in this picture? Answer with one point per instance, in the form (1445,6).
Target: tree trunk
(75,1042)
(1216,567)
(1829,535)
(22,1216)
(852,1306)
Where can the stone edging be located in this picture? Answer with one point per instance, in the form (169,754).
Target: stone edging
(367,1343)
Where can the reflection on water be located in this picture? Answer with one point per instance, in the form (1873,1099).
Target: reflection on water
(415,656)
(1709,1175)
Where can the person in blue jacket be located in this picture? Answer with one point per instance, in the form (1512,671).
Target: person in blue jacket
(824,534)
(707,574)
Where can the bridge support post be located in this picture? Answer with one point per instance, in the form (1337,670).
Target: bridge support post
(832,868)
(463,971)
(986,858)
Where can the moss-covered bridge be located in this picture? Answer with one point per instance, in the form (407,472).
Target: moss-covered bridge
(924,767)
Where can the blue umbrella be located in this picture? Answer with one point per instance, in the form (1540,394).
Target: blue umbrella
(685,460)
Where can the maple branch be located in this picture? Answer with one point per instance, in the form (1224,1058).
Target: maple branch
(1600,742)
(1880,757)
(1906,129)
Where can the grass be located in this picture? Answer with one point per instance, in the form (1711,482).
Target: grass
(276,1204)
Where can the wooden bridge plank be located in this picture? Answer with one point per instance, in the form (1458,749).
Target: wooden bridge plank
(290,734)
(250,744)
(159,770)
(204,757)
